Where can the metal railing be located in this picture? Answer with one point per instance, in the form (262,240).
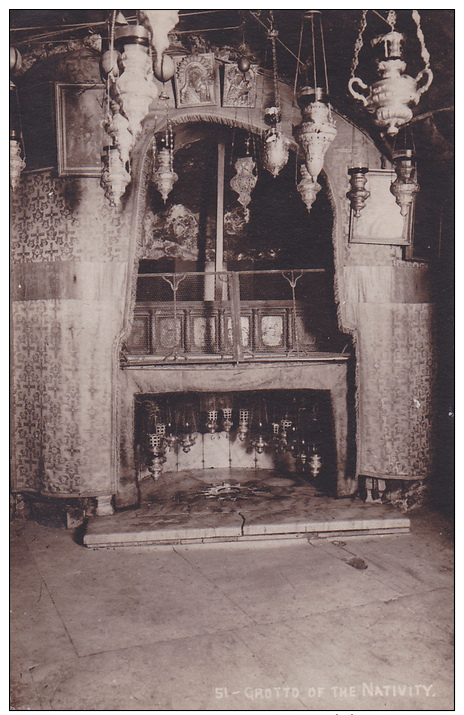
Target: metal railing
(232,315)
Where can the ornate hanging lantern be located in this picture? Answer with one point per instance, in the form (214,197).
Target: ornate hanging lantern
(115,176)
(276,145)
(405,186)
(317,129)
(358,193)
(308,188)
(245,179)
(390,99)
(134,88)
(358,170)
(117,127)
(164,177)
(259,442)
(315,461)
(227,418)
(243,423)
(211,422)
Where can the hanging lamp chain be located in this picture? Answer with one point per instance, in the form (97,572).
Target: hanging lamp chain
(420,36)
(272,34)
(110,77)
(391,19)
(359,43)
(324,58)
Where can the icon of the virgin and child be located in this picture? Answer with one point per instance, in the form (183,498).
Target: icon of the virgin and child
(195,82)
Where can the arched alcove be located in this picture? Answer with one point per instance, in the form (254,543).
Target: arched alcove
(278,271)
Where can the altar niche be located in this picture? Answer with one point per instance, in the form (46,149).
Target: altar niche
(280,432)
(209,264)
(235,303)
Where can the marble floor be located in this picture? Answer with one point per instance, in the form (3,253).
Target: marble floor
(356,623)
(238,504)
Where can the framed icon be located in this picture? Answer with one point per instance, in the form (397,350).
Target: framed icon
(239,87)
(196,81)
(79,110)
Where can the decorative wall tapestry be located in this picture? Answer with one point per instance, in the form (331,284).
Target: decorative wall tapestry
(63,348)
(62,398)
(396,383)
(58,219)
(196,81)
(239,87)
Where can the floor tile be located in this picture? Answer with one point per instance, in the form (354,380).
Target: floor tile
(116,599)
(334,659)
(273,584)
(214,672)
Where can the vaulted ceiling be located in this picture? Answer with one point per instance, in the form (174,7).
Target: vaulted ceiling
(245,32)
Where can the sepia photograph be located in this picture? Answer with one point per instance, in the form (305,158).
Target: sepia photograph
(232,395)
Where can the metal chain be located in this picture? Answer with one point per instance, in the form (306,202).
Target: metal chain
(272,34)
(420,36)
(391,19)
(359,43)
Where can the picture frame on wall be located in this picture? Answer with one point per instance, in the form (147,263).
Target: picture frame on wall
(79,129)
(239,87)
(380,220)
(196,80)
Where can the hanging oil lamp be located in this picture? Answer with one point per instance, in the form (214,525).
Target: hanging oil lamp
(170,436)
(227,418)
(302,455)
(188,438)
(285,427)
(135,88)
(117,127)
(358,193)
(275,432)
(307,187)
(276,145)
(405,186)
(212,421)
(390,99)
(315,461)
(157,455)
(115,176)
(164,177)
(243,422)
(259,442)
(317,129)
(245,179)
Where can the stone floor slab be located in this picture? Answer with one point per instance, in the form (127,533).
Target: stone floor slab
(278,583)
(116,599)
(185,674)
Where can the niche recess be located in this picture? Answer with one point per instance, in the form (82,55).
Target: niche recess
(261,321)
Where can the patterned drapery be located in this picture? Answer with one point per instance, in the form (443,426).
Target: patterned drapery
(69,276)
(396,374)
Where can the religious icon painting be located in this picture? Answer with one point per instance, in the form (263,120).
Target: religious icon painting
(196,80)
(239,87)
